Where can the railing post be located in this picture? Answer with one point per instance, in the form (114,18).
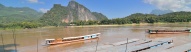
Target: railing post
(126,45)
(2,42)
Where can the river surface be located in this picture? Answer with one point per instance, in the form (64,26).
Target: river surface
(32,40)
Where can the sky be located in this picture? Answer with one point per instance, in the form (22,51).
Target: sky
(110,8)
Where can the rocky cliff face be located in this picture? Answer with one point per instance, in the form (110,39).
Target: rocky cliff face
(82,12)
(73,12)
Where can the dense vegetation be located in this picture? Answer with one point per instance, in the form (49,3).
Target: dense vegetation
(99,16)
(19,14)
(144,18)
(26,25)
(19,17)
(55,15)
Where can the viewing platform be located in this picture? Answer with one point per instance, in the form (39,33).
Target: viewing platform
(135,46)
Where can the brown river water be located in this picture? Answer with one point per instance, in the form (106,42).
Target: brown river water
(32,40)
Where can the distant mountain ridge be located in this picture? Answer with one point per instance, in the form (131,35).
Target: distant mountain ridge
(160,12)
(18,14)
(70,13)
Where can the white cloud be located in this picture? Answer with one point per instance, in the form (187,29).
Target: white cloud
(43,10)
(175,5)
(35,1)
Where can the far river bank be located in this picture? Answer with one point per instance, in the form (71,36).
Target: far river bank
(186,24)
(133,24)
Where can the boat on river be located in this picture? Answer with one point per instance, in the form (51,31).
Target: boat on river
(71,39)
(168,31)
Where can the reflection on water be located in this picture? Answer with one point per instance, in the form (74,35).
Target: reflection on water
(7,46)
(27,38)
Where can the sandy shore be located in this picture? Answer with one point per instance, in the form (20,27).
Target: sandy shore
(111,25)
(134,24)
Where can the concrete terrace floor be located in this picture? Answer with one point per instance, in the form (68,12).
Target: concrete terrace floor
(179,42)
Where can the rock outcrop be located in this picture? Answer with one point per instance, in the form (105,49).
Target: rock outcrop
(73,12)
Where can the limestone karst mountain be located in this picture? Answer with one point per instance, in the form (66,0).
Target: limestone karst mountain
(73,12)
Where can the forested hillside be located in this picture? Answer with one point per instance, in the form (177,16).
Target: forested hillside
(99,16)
(18,14)
(74,12)
(173,17)
(22,17)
